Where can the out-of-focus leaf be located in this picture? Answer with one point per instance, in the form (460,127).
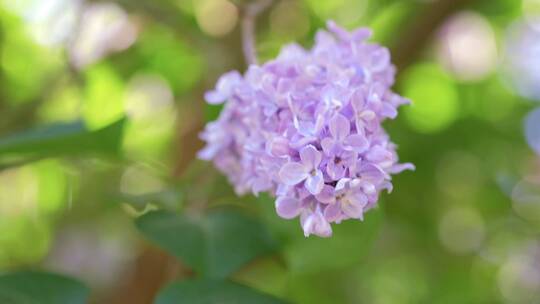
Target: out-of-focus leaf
(104,102)
(268,275)
(26,66)
(167,199)
(165,54)
(215,245)
(212,292)
(41,288)
(350,242)
(23,239)
(386,23)
(435,97)
(63,139)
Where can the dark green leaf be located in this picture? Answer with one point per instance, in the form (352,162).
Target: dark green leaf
(212,292)
(214,245)
(41,288)
(63,139)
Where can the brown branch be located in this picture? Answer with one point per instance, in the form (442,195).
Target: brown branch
(250,13)
(415,38)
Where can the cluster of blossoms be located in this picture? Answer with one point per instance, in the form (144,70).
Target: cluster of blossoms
(306,127)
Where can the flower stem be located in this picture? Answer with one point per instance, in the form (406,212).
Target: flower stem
(250,13)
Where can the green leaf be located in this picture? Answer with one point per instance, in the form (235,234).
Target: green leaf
(212,292)
(214,245)
(164,53)
(350,241)
(169,199)
(104,102)
(41,288)
(63,139)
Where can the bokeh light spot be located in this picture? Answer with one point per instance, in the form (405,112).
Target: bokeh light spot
(467,46)
(139,179)
(458,175)
(461,230)
(519,277)
(399,280)
(149,104)
(52,22)
(104,28)
(18,191)
(100,252)
(526,199)
(434,96)
(216,17)
(521,62)
(288,20)
(532,130)
(26,67)
(146,95)
(531,11)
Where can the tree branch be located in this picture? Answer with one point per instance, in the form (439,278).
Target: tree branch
(250,13)
(417,36)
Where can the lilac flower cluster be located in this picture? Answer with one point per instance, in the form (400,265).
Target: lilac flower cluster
(306,127)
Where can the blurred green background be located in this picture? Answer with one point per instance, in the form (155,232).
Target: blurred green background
(101,104)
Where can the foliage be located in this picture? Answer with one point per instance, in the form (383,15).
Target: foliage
(99,181)
(42,288)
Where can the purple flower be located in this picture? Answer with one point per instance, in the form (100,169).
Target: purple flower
(347,200)
(306,127)
(313,222)
(288,207)
(341,137)
(306,170)
(224,88)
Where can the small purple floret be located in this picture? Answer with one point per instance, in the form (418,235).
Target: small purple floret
(306,127)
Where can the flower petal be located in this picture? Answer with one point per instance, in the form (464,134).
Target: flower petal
(315,223)
(339,127)
(293,173)
(358,100)
(261,184)
(287,208)
(401,167)
(337,30)
(357,143)
(327,195)
(380,60)
(371,172)
(311,158)
(353,210)
(378,154)
(335,171)
(227,81)
(224,88)
(315,183)
(342,183)
(389,111)
(368,187)
(332,212)
(215,97)
(328,145)
(278,146)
